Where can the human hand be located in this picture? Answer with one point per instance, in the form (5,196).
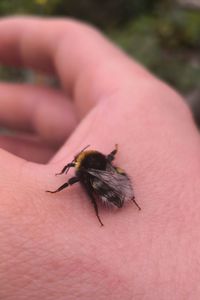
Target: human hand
(52,246)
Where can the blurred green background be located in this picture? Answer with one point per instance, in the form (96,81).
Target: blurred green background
(163,35)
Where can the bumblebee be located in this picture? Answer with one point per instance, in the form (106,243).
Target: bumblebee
(100,179)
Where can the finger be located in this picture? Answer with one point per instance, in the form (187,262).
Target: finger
(44,111)
(15,47)
(87,64)
(136,121)
(30,149)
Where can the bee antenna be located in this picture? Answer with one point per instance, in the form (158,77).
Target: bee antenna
(84,148)
(81,151)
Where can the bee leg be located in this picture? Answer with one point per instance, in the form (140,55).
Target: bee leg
(95,205)
(133,199)
(65,185)
(66,168)
(111,156)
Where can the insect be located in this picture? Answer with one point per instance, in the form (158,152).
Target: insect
(100,178)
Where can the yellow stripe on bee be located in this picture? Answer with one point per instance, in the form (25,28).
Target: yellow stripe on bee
(81,156)
(119,170)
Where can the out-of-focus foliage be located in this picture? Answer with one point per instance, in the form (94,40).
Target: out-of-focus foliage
(160,34)
(167,43)
(102,13)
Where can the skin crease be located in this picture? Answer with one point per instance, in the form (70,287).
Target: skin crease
(52,246)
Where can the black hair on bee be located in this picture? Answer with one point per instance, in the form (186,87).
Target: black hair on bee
(100,178)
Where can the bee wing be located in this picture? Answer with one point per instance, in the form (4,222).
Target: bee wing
(112,186)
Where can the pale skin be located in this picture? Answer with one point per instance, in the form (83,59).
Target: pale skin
(52,245)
